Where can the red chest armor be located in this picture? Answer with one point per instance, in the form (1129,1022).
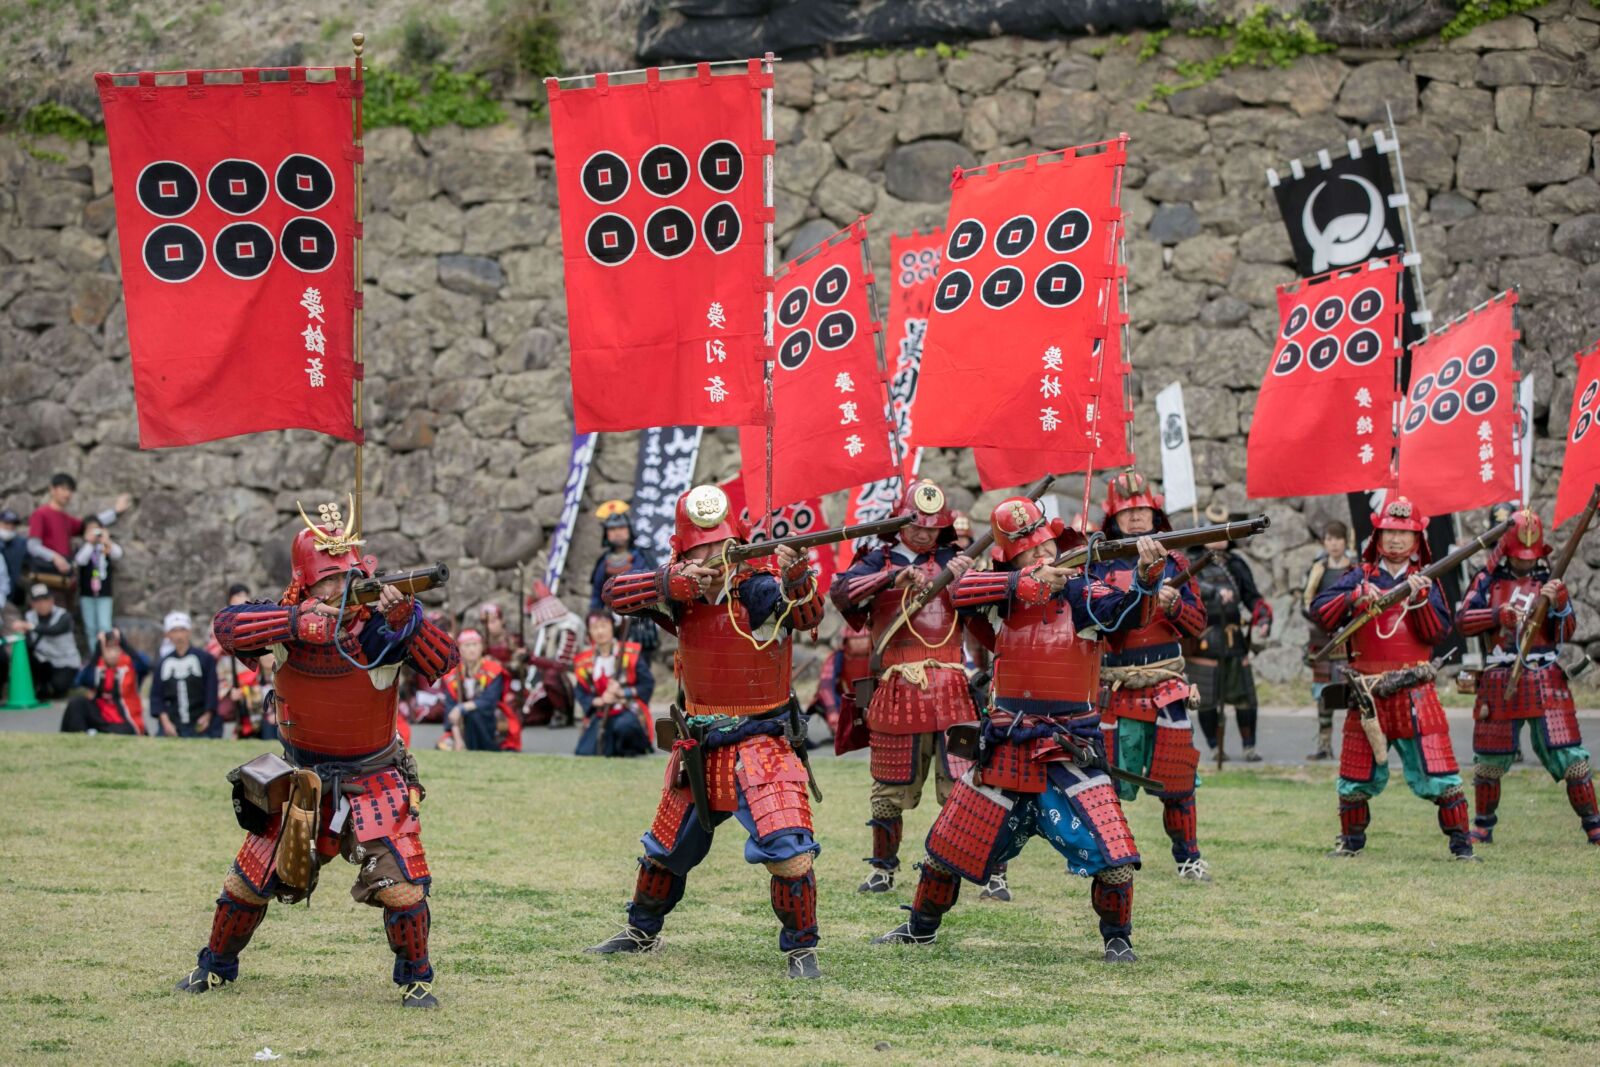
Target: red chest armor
(327,706)
(855,667)
(722,672)
(1041,657)
(1519,593)
(1375,654)
(1158,631)
(937,636)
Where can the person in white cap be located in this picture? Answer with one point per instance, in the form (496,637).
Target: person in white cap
(183,693)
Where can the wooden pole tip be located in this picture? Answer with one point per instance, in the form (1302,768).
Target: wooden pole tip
(359,40)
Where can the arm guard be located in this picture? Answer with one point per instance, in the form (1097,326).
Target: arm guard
(978,588)
(1561,622)
(1261,613)
(852,589)
(250,629)
(1475,616)
(1330,608)
(808,603)
(629,593)
(1431,621)
(1190,618)
(431,652)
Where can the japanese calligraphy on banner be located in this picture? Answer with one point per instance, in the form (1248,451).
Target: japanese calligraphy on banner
(798,518)
(829,431)
(1021,297)
(1461,439)
(663,213)
(664,473)
(235,213)
(1580,466)
(1325,418)
(571,496)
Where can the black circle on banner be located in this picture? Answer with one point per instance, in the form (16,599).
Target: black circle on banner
(1445,407)
(237,186)
(308,244)
(1288,360)
(1363,347)
(604,177)
(721,166)
(167,189)
(304,182)
(1421,388)
(836,330)
(1581,427)
(792,308)
(831,285)
(1482,361)
(721,227)
(1328,313)
(952,290)
(1589,392)
(243,250)
(1323,353)
(794,350)
(928,257)
(964,241)
(1015,236)
(908,260)
(802,520)
(663,171)
(1480,397)
(1365,305)
(1002,287)
(1068,231)
(174,253)
(1416,417)
(1058,285)
(610,240)
(1298,317)
(1450,373)
(669,232)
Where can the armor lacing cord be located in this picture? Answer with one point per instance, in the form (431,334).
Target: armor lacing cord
(777,626)
(905,622)
(1578,771)
(1116,875)
(344,602)
(917,672)
(1399,621)
(1144,675)
(1492,772)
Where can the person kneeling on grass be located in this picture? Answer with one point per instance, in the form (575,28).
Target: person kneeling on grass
(112,704)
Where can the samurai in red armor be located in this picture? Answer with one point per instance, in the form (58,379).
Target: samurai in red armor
(1041,767)
(1393,702)
(352,787)
(1496,610)
(1144,696)
(922,683)
(743,755)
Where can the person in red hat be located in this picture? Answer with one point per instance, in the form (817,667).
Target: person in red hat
(1496,609)
(1390,679)
(1046,681)
(922,684)
(734,665)
(1144,696)
(336,699)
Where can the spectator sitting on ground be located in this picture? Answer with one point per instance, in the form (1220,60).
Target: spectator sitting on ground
(14,549)
(480,717)
(96,560)
(238,692)
(52,649)
(112,704)
(183,694)
(498,641)
(51,529)
(614,686)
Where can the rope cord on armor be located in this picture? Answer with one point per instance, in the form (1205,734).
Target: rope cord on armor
(344,602)
(733,619)
(1407,609)
(905,622)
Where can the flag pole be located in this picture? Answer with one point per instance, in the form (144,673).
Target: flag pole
(358,42)
(769,226)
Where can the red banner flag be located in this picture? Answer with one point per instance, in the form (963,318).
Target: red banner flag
(1022,296)
(1324,421)
(1580,467)
(799,518)
(666,240)
(829,429)
(235,218)
(1460,443)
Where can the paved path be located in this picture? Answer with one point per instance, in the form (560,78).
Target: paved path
(1285,734)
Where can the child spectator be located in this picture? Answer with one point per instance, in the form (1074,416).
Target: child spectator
(112,704)
(52,649)
(51,529)
(183,695)
(95,560)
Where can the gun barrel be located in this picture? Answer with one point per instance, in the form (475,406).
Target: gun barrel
(412,581)
(1125,547)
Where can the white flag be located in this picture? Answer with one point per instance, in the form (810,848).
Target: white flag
(1525,411)
(1177,465)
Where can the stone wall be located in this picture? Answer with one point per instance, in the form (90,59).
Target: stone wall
(469,403)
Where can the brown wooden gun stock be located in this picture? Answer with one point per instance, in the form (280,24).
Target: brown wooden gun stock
(801,542)
(1534,624)
(366,590)
(1128,547)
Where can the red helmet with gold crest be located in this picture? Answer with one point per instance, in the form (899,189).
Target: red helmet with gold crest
(926,504)
(1019,524)
(325,548)
(705,516)
(1525,539)
(1131,489)
(1399,514)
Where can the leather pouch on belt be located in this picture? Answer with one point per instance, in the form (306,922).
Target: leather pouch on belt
(296,860)
(260,790)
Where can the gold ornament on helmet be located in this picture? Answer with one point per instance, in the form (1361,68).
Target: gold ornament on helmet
(928,498)
(706,506)
(330,533)
(1528,530)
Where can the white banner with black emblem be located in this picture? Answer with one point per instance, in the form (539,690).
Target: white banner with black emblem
(1177,464)
(1525,413)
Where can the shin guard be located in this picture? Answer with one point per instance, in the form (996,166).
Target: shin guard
(1179,819)
(1246,718)
(1354,817)
(1580,794)
(937,892)
(1486,794)
(407,930)
(1453,820)
(1113,902)
(656,893)
(886,835)
(231,927)
(794,902)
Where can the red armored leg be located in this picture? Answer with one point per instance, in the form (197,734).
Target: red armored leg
(1580,793)
(1486,794)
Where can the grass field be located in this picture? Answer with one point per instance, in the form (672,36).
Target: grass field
(111,852)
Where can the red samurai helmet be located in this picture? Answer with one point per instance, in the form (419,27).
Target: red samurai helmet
(926,504)
(703,516)
(1130,489)
(1525,539)
(325,548)
(1399,514)
(1019,524)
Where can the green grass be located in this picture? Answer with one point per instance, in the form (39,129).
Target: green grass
(111,852)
